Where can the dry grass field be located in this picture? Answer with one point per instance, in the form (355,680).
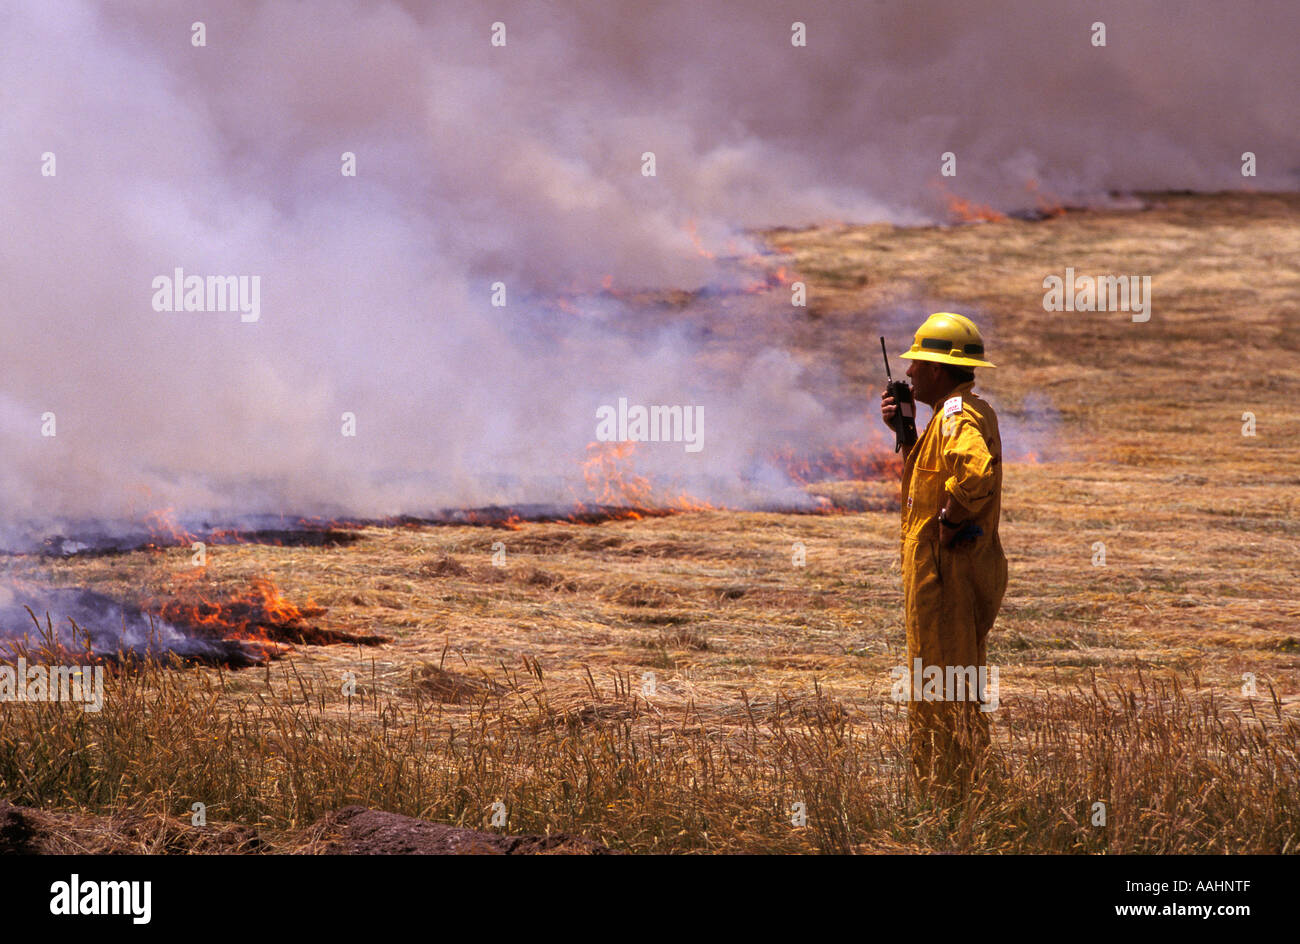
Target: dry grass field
(526,683)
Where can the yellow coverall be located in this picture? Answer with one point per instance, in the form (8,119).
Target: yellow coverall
(951,594)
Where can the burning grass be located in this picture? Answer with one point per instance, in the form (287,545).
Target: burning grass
(1121,683)
(260,616)
(190,622)
(524,684)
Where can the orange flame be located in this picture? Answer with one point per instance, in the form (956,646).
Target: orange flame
(961,210)
(1048,205)
(770,280)
(261,614)
(610,479)
(966,211)
(163,529)
(695,239)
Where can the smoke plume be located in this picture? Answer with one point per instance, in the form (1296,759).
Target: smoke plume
(518,164)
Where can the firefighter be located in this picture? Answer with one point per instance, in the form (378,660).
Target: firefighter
(954,571)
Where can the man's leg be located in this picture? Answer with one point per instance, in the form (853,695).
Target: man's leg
(922,603)
(966,728)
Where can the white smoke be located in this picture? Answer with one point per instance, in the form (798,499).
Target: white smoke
(521,164)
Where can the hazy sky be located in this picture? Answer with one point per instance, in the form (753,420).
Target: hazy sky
(521,164)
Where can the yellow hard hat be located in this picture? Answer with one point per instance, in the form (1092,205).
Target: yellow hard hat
(949,339)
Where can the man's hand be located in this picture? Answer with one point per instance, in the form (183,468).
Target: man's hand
(958,537)
(888,409)
(960,529)
(947,535)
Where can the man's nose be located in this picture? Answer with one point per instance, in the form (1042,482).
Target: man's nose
(911,366)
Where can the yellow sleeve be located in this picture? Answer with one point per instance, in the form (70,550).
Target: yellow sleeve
(966,456)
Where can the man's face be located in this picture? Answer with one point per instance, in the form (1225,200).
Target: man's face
(924,376)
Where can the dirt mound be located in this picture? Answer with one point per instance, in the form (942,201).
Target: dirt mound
(355,830)
(27,831)
(16,830)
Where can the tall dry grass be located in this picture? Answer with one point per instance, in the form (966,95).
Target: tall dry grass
(1177,772)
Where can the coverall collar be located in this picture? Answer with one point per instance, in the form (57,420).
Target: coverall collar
(960,390)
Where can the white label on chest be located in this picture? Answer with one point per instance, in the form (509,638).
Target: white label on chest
(951,405)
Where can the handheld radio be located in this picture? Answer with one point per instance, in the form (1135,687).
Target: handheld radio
(904,424)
